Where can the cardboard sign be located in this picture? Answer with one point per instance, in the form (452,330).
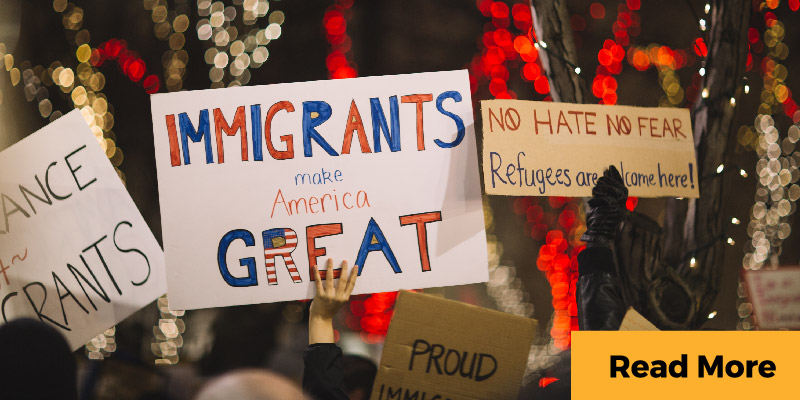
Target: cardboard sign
(74,251)
(259,184)
(775,295)
(633,321)
(533,148)
(443,349)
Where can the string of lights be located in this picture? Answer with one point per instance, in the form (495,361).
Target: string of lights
(239,44)
(777,190)
(170,26)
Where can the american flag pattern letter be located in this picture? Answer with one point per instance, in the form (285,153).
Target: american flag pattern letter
(280,242)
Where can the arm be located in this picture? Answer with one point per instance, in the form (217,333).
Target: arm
(599,292)
(323,373)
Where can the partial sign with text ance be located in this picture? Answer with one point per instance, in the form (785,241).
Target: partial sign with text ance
(74,251)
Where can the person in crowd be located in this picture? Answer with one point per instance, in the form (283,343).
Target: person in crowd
(599,292)
(37,362)
(327,374)
(250,384)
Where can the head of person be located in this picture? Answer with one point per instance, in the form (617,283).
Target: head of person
(250,384)
(359,375)
(37,362)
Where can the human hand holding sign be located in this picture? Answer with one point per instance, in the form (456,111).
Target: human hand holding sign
(328,300)
(608,207)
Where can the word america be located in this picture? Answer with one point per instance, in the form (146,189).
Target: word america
(315,113)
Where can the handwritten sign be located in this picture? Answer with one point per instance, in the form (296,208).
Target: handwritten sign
(535,148)
(260,184)
(439,349)
(775,295)
(75,252)
(633,321)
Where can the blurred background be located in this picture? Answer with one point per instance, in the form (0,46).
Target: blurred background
(107,57)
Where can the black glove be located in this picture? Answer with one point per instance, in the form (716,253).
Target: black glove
(607,208)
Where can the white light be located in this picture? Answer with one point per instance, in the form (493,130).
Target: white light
(731,242)
(720,168)
(544,44)
(708,8)
(705,93)
(743,173)
(578,70)
(746,88)
(733,102)
(735,221)
(702,24)
(679,198)
(712,314)
(692,262)
(536,45)
(702,71)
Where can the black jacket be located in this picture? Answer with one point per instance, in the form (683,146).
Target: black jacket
(599,292)
(323,372)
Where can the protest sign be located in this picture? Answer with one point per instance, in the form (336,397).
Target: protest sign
(443,349)
(775,295)
(533,148)
(379,171)
(633,321)
(75,253)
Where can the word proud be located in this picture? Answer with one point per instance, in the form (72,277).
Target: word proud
(314,114)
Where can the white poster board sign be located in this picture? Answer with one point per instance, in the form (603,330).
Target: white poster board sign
(775,295)
(74,250)
(259,184)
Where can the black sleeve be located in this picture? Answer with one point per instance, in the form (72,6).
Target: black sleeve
(323,375)
(599,292)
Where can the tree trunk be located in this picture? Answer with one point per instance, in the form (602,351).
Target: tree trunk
(653,262)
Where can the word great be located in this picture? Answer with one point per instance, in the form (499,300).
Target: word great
(282,242)
(314,114)
(679,368)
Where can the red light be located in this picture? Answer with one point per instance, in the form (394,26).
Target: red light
(631,203)
(597,10)
(541,85)
(336,25)
(794,4)
(610,98)
(634,4)
(497,86)
(151,84)
(499,10)
(752,34)
(502,37)
(605,57)
(136,70)
(521,12)
(335,60)
(343,73)
(546,381)
(699,48)
(531,71)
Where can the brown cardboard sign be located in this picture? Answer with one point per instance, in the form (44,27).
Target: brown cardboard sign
(534,148)
(438,349)
(775,295)
(633,321)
